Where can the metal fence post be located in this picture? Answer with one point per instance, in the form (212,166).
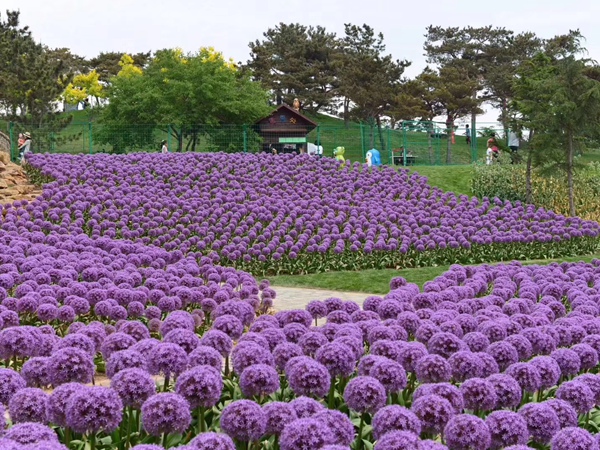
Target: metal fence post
(11,137)
(404,143)
(389,146)
(91,137)
(245,139)
(474,151)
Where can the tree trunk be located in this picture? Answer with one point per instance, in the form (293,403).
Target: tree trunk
(346,112)
(570,154)
(528,193)
(449,129)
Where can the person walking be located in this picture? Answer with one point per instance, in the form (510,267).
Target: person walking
(164,148)
(25,146)
(468,134)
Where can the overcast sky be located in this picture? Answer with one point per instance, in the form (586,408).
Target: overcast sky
(89,27)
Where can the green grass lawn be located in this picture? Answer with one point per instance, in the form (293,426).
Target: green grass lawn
(455,179)
(378,281)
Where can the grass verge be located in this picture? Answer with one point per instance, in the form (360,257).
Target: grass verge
(378,281)
(455,179)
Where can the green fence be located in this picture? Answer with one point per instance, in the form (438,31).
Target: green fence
(407,143)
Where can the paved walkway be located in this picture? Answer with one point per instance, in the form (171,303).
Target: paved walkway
(298,298)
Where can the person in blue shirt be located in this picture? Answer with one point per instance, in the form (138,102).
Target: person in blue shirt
(373,158)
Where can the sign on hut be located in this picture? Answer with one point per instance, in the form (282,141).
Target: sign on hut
(284,130)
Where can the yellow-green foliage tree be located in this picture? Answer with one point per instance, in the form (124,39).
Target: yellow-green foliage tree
(83,87)
(186,95)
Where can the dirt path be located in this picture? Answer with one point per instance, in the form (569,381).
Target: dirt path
(298,298)
(14,184)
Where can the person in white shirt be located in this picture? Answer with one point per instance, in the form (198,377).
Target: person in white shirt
(164,148)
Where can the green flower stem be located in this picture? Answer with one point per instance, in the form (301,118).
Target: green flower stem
(201,422)
(331,394)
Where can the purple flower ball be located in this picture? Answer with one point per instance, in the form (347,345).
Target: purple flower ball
(134,386)
(305,434)
(395,418)
(10,382)
(212,441)
(57,402)
(244,420)
(167,359)
(217,340)
(527,375)
(444,390)
(567,416)
(124,359)
(93,409)
(35,372)
(479,394)
(308,377)
(258,380)
(116,342)
(465,365)
(338,359)
(404,440)
(30,433)
(504,353)
(70,365)
(339,424)
(166,413)
(205,356)
(467,432)
(279,415)
(365,395)
(433,369)
(577,394)
(507,428)
(567,360)
(230,325)
(508,390)
(28,405)
(390,374)
(433,411)
(549,370)
(306,407)
(201,386)
(542,421)
(572,438)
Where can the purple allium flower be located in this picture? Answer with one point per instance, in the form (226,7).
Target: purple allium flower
(92,409)
(258,380)
(248,353)
(135,329)
(476,341)
(28,405)
(592,381)
(306,407)
(465,365)
(431,445)
(410,353)
(338,359)
(479,394)
(79,341)
(166,413)
(201,386)
(57,402)
(217,340)
(568,361)
(16,341)
(387,348)
(116,342)
(279,415)
(489,366)
(339,424)
(311,342)
(276,336)
(317,309)
(284,352)
(467,432)
(549,370)
(365,394)
(205,356)
(444,390)
(527,375)
(572,438)
(167,359)
(577,394)
(10,382)
(30,433)
(308,377)
(212,441)
(587,356)
(244,420)
(398,440)
(134,386)
(433,411)
(35,372)
(186,339)
(70,365)
(508,390)
(145,346)
(567,416)
(124,359)
(504,353)
(507,428)
(445,344)
(433,369)
(395,418)
(304,434)
(542,421)
(389,373)
(230,325)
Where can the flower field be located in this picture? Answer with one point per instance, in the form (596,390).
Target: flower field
(269,215)
(130,268)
